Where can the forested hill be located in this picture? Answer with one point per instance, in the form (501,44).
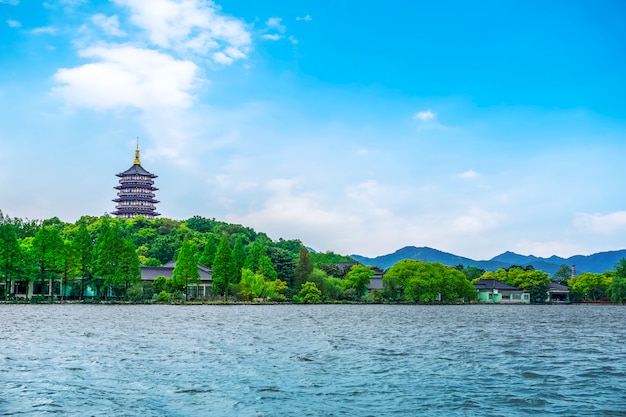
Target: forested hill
(597,263)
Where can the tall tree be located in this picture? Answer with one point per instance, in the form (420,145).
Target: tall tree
(304,267)
(239,256)
(208,254)
(117,263)
(284,263)
(48,255)
(10,255)
(267,269)
(223,268)
(257,249)
(83,248)
(617,289)
(186,270)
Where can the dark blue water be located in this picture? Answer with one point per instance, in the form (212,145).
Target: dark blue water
(327,360)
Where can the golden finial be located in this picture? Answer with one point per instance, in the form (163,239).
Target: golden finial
(137,161)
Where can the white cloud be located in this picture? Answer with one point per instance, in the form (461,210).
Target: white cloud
(306,18)
(425,116)
(13,23)
(601,223)
(293,40)
(190,25)
(110,25)
(272,36)
(42,30)
(10,2)
(127,76)
(469,174)
(275,23)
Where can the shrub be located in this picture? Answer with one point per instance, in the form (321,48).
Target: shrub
(164,297)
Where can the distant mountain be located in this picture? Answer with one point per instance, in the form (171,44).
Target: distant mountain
(599,262)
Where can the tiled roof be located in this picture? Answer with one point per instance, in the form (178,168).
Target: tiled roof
(494,284)
(136,169)
(150,273)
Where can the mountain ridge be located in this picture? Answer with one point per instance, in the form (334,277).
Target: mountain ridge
(597,262)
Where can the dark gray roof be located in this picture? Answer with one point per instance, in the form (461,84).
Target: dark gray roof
(554,287)
(136,169)
(376,283)
(494,284)
(150,273)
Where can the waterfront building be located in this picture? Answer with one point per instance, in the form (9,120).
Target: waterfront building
(494,291)
(135,196)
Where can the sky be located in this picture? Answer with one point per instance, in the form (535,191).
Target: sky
(358,127)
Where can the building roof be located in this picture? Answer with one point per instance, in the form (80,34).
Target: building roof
(554,287)
(150,273)
(494,284)
(136,169)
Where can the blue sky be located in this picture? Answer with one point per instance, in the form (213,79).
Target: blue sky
(357,127)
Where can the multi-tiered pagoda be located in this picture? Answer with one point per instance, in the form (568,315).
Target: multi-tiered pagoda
(136,192)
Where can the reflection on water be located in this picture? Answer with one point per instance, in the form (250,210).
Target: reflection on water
(326,360)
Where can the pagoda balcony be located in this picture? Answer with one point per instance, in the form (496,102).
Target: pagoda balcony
(133,197)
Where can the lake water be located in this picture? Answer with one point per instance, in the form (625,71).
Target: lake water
(321,360)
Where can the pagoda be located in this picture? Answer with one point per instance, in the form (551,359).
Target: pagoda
(135,196)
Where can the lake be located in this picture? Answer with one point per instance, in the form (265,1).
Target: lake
(319,360)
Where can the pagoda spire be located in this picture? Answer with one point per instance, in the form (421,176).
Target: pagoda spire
(137,161)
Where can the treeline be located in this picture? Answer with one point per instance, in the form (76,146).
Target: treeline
(100,257)
(104,254)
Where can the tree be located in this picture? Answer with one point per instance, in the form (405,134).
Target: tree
(304,267)
(267,269)
(208,254)
(117,263)
(359,278)
(239,256)
(284,263)
(590,285)
(310,293)
(83,248)
(48,255)
(186,270)
(257,249)
(617,289)
(223,268)
(10,255)
(427,283)
(563,274)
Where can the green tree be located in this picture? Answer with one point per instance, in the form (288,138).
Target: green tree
(83,249)
(10,255)
(208,254)
(617,289)
(310,293)
(223,268)
(267,269)
(159,284)
(257,250)
(590,285)
(359,278)
(239,256)
(563,274)
(427,283)
(304,267)
(117,263)
(284,263)
(48,254)
(186,270)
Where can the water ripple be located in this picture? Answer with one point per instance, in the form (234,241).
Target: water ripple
(356,360)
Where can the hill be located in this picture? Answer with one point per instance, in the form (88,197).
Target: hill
(598,262)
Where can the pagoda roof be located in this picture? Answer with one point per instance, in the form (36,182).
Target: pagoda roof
(136,169)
